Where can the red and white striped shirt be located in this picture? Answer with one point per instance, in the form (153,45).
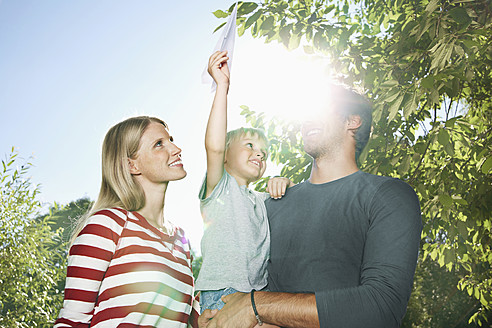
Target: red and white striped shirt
(123,272)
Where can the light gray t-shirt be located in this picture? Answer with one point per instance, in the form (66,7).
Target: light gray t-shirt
(236,239)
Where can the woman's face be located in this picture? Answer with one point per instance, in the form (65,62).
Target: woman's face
(158,159)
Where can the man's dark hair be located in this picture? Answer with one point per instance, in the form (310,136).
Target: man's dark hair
(348,102)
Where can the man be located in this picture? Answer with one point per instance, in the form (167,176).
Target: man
(344,244)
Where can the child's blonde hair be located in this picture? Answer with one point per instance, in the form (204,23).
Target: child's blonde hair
(238,133)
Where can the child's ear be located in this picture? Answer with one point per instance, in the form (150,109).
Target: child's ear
(132,165)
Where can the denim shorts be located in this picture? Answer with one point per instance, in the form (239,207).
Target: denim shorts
(210,299)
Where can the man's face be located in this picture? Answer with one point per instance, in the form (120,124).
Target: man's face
(324,134)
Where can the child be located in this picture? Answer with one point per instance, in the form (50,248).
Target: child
(236,242)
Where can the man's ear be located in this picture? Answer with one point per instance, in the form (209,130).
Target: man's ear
(132,165)
(354,122)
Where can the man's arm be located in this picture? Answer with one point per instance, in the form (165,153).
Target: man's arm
(215,136)
(281,309)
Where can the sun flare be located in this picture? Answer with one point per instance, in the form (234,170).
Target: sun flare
(288,84)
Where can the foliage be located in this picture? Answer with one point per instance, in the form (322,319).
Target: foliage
(31,254)
(196,263)
(62,218)
(65,216)
(426,66)
(436,301)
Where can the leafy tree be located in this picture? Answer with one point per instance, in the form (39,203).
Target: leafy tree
(426,66)
(31,254)
(196,265)
(64,216)
(436,301)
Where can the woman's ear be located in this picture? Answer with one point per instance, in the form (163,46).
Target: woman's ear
(133,167)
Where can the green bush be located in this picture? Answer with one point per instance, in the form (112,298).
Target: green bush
(32,256)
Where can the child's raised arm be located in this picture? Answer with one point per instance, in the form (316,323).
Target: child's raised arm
(215,136)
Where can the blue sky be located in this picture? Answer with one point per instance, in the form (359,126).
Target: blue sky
(69,70)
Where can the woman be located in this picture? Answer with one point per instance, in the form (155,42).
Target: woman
(128,266)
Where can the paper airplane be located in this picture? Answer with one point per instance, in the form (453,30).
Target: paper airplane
(225,43)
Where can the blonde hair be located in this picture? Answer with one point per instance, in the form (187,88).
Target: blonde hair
(118,187)
(240,132)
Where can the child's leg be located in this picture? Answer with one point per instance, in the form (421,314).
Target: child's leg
(210,299)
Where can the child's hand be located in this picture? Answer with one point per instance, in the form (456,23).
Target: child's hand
(276,187)
(217,67)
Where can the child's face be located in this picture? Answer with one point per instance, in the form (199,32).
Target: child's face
(245,159)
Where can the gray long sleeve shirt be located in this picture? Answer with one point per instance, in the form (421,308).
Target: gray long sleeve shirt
(353,242)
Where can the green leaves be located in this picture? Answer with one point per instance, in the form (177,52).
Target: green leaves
(460,16)
(246,8)
(442,52)
(445,141)
(32,256)
(445,200)
(404,166)
(432,6)
(219,27)
(395,106)
(428,82)
(487,165)
(267,25)
(220,14)
(410,103)
(252,19)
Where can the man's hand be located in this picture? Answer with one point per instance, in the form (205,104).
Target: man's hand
(205,318)
(236,313)
(218,69)
(276,186)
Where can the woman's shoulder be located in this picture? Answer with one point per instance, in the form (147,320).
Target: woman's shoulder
(109,217)
(107,223)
